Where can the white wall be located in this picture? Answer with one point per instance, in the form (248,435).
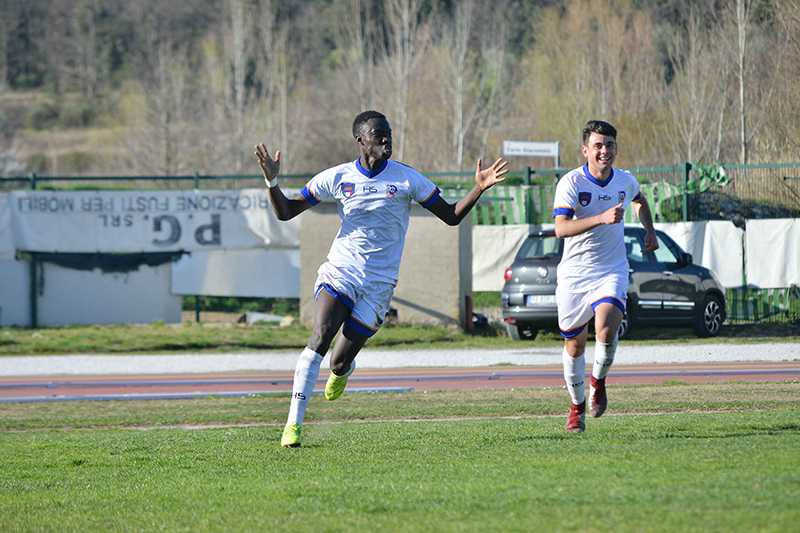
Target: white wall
(93,297)
(250,273)
(15,309)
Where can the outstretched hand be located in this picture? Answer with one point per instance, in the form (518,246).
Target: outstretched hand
(269,166)
(486,178)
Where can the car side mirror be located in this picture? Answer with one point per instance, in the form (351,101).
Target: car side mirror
(685,259)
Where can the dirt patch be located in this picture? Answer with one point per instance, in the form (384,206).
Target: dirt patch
(212,316)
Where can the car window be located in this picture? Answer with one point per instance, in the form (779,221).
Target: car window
(540,247)
(634,249)
(664,253)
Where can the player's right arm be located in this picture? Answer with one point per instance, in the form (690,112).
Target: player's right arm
(566,202)
(285,208)
(566,226)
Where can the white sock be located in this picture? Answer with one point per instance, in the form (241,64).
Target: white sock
(603,357)
(574,376)
(305,376)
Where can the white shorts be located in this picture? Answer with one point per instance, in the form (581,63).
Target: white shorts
(368,301)
(575,309)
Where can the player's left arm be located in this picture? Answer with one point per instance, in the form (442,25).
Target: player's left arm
(642,209)
(453,214)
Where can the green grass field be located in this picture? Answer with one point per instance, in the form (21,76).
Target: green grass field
(229,337)
(676,457)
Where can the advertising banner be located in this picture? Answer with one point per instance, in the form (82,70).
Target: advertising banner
(145,221)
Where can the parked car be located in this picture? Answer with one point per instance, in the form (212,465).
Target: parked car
(665,287)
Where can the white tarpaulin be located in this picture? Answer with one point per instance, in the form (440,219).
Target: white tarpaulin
(716,244)
(773,252)
(493,250)
(248,273)
(146,221)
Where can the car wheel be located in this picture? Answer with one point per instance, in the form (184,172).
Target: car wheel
(527,332)
(708,320)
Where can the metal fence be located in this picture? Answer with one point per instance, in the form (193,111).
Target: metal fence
(749,305)
(675,193)
(683,192)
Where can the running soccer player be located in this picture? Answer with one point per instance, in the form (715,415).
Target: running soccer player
(355,285)
(593,273)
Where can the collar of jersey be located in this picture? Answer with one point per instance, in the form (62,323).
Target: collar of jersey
(371,173)
(599,183)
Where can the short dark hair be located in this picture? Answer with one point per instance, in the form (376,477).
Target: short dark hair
(598,126)
(363,117)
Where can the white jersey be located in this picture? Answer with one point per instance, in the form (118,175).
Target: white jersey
(591,256)
(373,210)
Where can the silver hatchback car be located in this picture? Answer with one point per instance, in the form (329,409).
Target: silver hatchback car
(665,287)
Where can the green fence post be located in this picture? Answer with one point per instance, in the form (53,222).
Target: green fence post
(196,180)
(34,289)
(33,181)
(686,169)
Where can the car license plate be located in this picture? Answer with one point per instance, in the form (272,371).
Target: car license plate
(532,300)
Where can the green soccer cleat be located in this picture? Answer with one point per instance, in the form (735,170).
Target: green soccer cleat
(291,436)
(336,384)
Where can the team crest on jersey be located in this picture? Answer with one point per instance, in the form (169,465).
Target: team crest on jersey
(391,190)
(584,198)
(621,196)
(348,189)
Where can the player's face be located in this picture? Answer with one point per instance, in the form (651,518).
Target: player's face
(600,151)
(375,140)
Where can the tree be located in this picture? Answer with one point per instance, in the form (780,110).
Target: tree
(592,60)
(357,39)
(407,40)
(160,144)
(236,31)
(698,96)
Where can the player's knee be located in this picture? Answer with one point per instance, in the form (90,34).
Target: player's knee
(321,338)
(575,347)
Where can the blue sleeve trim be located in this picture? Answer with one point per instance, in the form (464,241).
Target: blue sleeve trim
(609,300)
(432,198)
(563,211)
(351,325)
(637,197)
(310,198)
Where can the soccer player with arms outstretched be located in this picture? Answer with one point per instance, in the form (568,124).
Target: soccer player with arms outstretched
(593,273)
(355,285)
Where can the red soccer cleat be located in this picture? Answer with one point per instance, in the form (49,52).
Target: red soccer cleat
(598,401)
(576,418)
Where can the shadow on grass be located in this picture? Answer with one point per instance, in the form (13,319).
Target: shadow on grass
(734,331)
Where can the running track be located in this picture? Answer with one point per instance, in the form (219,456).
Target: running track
(15,389)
